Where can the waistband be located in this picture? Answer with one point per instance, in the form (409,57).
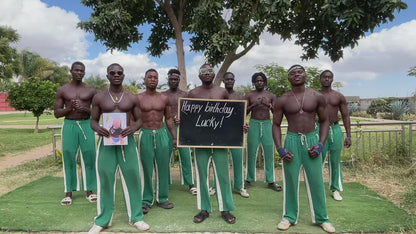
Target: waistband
(75,121)
(146,130)
(294,134)
(260,121)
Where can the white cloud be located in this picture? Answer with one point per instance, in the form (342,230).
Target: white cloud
(49,31)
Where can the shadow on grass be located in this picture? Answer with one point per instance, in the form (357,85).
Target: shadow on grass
(36,207)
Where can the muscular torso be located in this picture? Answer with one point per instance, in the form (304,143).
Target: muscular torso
(213,92)
(153,107)
(260,103)
(173,100)
(126,105)
(83,93)
(235,96)
(300,122)
(333,101)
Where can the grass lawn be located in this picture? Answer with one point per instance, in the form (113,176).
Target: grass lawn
(362,210)
(13,141)
(28,119)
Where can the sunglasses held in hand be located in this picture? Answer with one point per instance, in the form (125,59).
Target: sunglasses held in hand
(206,71)
(118,73)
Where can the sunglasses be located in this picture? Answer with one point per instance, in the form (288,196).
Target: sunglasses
(118,73)
(206,71)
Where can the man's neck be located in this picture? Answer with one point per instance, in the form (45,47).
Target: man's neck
(326,89)
(116,88)
(230,90)
(150,90)
(298,89)
(76,82)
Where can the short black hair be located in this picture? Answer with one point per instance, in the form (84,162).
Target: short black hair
(77,63)
(150,70)
(174,71)
(255,75)
(322,73)
(229,73)
(114,64)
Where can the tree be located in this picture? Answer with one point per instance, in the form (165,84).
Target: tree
(412,71)
(116,23)
(329,26)
(219,28)
(9,58)
(97,82)
(34,95)
(278,82)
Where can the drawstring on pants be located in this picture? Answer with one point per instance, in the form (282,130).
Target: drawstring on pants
(261,129)
(82,130)
(303,139)
(154,138)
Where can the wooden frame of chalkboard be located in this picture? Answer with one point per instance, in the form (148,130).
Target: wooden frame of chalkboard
(211,123)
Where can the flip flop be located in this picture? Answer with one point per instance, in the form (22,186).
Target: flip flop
(166,205)
(228,217)
(66,201)
(193,191)
(92,198)
(201,216)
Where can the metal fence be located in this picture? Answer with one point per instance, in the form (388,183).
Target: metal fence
(368,138)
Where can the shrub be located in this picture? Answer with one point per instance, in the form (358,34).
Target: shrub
(352,107)
(398,108)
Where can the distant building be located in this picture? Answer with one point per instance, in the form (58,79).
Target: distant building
(4,105)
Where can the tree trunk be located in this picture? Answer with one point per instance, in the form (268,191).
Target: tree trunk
(229,59)
(37,125)
(180,54)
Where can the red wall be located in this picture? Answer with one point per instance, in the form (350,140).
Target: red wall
(4,105)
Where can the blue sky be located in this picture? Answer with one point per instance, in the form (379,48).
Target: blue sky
(377,67)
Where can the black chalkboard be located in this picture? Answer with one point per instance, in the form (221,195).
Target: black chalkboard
(211,123)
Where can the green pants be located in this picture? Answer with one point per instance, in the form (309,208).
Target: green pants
(109,159)
(333,146)
(298,144)
(219,158)
(185,160)
(237,159)
(77,136)
(154,154)
(260,131)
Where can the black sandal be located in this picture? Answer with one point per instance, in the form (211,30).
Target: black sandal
(201,216)
(228,217)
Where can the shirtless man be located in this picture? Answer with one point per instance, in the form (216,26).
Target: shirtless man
(302,148)
(260,103)
(237,154)
(219,157)
(73,101)
(116,99)
(335,102)
(185,159)
(154,142)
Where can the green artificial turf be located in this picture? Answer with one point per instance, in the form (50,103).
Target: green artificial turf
(36,207)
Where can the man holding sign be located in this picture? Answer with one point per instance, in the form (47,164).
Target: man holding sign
(218,156)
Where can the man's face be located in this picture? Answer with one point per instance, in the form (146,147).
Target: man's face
(116,123)
(229,81)
(206,74)
(297,77)
(115,75)
(173,80)
(326,79)
(77,72)
(259,83)
(151,80)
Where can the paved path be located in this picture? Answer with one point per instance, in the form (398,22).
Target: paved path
(20,158)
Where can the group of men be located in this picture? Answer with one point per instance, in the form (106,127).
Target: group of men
(155,114)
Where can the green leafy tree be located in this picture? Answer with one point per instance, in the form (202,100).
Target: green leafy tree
(220,28)
(34,95)
(97,82)
(9,58)
(58,74)
(314,25)
(412,71)
(35,65)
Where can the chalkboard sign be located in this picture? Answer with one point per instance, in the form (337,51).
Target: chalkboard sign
(211,123)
